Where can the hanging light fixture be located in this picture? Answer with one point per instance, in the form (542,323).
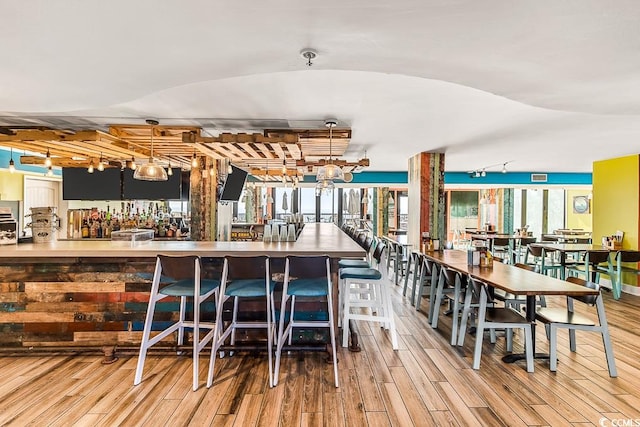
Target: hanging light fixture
(229,168)
(101,163)
(90,168)
(169,170)
(133,165)
(504,168)
(284,166)
(47,160)
(12,165)
(330,171)
(151,171)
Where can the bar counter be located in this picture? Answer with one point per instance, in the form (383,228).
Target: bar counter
(315,239)
(80,294)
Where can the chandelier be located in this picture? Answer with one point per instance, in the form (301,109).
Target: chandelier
(151,171)
(330,171)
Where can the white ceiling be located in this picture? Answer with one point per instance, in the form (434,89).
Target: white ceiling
(548,85)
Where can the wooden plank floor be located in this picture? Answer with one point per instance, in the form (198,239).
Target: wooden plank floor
(426,382)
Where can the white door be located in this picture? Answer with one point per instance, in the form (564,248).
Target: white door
(39,193)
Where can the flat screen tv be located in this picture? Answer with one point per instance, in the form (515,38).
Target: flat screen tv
(78,184)
(135,189)
(232,187)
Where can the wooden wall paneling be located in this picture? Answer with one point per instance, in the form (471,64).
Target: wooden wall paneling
(426,196)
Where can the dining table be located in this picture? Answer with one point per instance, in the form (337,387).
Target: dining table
(514,280)
(566,248)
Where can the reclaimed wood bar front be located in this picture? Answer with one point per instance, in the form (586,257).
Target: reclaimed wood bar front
(71,294)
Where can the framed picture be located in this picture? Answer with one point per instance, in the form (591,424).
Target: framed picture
(581,204)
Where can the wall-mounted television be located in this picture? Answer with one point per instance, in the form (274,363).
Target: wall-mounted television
(232,187)
(135,189)
(78,184)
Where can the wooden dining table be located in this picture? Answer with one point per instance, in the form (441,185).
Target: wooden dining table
(514,280)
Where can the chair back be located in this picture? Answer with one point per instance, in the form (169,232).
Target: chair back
(527,267)
(178,267)
(308,267)
(450,276)
(596,257)
(500,241)
(628,256)
(361,238)
(377,253)
(534,250)
(526,241)
(587,299)
(246,267)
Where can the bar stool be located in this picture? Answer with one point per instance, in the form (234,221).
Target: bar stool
(379,295)
(244,277)
(308,277)
(185,273)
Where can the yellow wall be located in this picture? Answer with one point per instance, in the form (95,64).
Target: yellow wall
(11,185)
(576,220)
(616,199)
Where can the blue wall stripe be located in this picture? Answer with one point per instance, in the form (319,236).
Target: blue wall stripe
(5,156)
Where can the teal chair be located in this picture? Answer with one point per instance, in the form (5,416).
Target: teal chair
(184,276)
(308,278)
(242,278)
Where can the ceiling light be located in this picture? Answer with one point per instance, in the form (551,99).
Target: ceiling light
(151,171)
(12,165)
(212,171)
(101,163)
(284,166)
(330,171)
(504,168)
(133,165)
(169,170)
(90,168)
(194,161)
(483,173)
(476,174)
(47,160)
(229,169)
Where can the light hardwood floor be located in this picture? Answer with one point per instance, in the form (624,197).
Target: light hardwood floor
(426,382)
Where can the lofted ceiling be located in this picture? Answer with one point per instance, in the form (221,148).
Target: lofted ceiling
(546,85)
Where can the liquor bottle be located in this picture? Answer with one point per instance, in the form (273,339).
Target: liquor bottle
(85,229)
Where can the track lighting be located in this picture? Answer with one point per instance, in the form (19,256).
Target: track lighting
(482,172)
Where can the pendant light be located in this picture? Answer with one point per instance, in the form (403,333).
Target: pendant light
(151,171)
(90,168)
(101,163)
(330,171)
(12,165)
(133,165)
(47,160)
(169,170)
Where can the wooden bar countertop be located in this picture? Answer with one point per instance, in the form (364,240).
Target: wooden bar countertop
(315,239)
